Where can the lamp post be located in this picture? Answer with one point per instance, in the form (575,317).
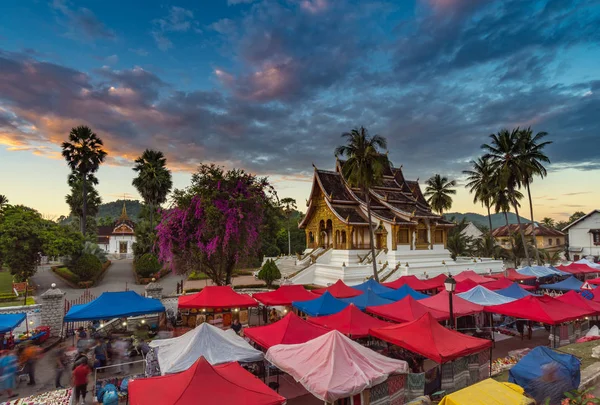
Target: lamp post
(450,285)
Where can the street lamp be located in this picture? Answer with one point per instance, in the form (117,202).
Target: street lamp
(450,285)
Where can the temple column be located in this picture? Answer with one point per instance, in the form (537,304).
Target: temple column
(413,242)
(306,234)
(394,237)
(429,235)
(349,231)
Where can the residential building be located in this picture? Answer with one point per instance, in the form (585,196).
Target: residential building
(547,238)
(584,236)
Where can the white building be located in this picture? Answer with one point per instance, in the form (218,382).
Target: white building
(472,231)
(584,236)
(118,239)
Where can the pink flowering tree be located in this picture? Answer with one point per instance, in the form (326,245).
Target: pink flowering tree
(215,223)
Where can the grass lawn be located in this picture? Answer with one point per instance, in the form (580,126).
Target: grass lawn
(6,281)
(19,302)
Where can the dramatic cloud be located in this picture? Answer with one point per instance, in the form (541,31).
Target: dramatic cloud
(82,21)
(178,19)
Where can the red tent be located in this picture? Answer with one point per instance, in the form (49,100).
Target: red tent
(436,282)
(513,275)
(291,329)
(284,295)
(578,268)
(498,284)
(543,309)
(576,300)
(351,321)
(202,383)
(412,281)
(460,307)
(406,310)
(339,290)
(470,274)
(595,281)
(465,285)
(216,297)
(428,338)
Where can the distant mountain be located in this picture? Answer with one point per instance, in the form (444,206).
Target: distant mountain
(113,211)
(482,220)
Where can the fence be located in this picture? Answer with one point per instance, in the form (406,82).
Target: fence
(85,298)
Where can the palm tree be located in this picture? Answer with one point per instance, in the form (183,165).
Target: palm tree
(289,205)
(502,200)
(364,169)
(486,247)
(75,199)
(84,155)
(504,152)
(439,191)
(551,257)
(3,200)
(459,245)
(153,181)
(479,181)
(549,222)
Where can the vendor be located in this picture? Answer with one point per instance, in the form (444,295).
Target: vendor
(236,326)
(273,316)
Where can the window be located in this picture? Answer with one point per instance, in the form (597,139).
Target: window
(439,236)
(557,241)
(550,242)
(403,236)
(596,237)
(422,236)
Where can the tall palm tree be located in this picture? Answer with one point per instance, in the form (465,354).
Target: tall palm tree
(289,205)
(479,181)
(504,153)
(3,200)
(549,222)
(533,158)
(439,191)
(84,155)
(502,200)
(74,199)
(364,169)
(153,181)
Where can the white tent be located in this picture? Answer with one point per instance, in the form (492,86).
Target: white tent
(216,345)
(482,296)
(587,262)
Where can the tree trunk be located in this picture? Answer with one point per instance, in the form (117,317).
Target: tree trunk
(83,224)
(522,234)
(371,236)
(152,217)
(489,218)
(537,253)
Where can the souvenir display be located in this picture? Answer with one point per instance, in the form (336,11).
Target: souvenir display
(506,363)
(57,397)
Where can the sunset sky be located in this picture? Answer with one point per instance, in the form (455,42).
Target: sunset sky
(269,86)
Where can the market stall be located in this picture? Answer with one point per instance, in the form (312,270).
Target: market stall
(339,290)
(513,275)
(203,383)
(289,330)
(8,323)
(578,268)
(471,275)
(489,392)
(460,307)
(351,321)
(284,296)
(576,300)
(57,397)
(516,291)
(464,285)
(110,305)
(326,304)
(406,310)
(499,283)
(541,272)
(368,299)
(411,281)
(402,292)
(436,282)
(371,285)
(595,266)
(482,296)
(333,366)
(213,344)
(568,284)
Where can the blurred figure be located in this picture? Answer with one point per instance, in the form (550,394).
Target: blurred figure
(121,349)
(80,381)
(29,358)
(273,316)
(236,326)
(100,353)
(8,365)
(60,364)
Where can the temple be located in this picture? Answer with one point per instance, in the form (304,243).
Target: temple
(409,237)
(118,239)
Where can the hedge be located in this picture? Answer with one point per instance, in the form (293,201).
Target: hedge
(86,267)
(67,274)
(147,265)
(74,281)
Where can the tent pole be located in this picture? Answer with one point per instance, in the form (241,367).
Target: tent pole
(490,362)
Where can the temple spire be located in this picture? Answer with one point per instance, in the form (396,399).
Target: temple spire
(124,216)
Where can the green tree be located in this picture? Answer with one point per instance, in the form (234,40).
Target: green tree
(439,192)
(459,245)
(502,200)
(504,151)
(549,222)
(3,201)
(479,183)
(153,180)
(364,169)
(486,246)
(288,205)
(86,266)
(147,265)
(551,257)
(75,200)
(533,158)
(93,249)
(269,273)
(576,216)
(84,154)
(518,251)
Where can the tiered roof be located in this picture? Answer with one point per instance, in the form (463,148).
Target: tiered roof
(540,230)
(395,200)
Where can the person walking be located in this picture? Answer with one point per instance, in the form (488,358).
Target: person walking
(29,358)
(80,381)
(100,354)
(8,373)
(60,364)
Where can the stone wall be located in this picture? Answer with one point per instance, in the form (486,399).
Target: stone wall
(53,310)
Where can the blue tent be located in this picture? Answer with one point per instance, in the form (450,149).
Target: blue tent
(326,304)
(482,296)
(10,321)
(544,372)
(400,293)
(368,299)
(111,305)
(541,271)
(569,284)
(372,285)
(514,291)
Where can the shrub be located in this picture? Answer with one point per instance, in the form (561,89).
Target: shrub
(147,265)
(86,267)
(94,249)
(67,274)
(197,275)
(269,273)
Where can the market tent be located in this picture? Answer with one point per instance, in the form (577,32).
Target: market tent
(8,322)
(428,338)
(285,295)
(411,281)
(206,384)
(351,321)
(464,286)
(578,268)
(569,284)
(339,290)
(372,285)
(541,272)
(530,370)
(588,263)
(576,300)
(482,296)
(217,346)
(289,330)
(489,392)
(406,310)
(326,304)
(470,274)
(543,309)
(436,282)
(514,291)
(513,275)
(460,307)
(216,297)
(333,366)
(402,292)
(499,284)
(110,305)
(368,299)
